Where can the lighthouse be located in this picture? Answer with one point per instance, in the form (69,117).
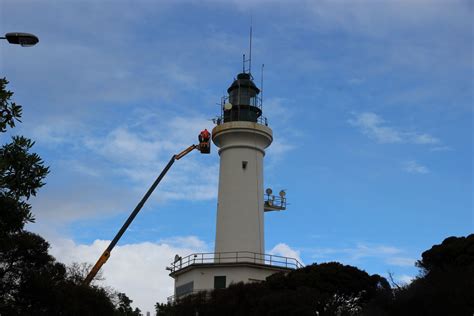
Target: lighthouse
(241,140)
(241,134)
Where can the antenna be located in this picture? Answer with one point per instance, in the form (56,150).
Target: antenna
(250,51)
(261,85)
(249,60)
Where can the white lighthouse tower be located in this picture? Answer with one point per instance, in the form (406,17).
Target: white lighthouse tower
(242,134)
(242,141)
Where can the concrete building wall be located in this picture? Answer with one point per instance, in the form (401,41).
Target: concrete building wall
(240,220)
(203,277)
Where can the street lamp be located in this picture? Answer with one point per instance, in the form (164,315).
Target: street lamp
(23,39)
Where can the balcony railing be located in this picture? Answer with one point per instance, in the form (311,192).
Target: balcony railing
(234,257)
(254,102)
(274,203)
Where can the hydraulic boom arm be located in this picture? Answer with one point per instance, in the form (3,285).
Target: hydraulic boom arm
(106,254)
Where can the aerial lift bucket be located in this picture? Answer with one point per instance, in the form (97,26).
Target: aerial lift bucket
(205,147)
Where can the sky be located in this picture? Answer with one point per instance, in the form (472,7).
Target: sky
(370,102)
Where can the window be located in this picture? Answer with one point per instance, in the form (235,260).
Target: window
(185,289)
(219,282)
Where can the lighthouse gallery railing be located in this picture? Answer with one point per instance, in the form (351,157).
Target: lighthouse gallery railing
(235,257)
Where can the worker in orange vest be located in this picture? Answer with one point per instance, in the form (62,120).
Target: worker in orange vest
(204,144)
(204,136)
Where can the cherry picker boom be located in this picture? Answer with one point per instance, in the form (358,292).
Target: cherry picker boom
(203,147)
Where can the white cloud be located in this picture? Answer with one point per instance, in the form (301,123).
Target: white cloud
(141,153)
(414,167)
(136,269)
(278,107)
(406,279)
(104,171)
(124,146)
(441,148)
(79,199)
(401,261)
(363,251)
(55,130)
(424,139)
(148,137)
(371,125)
(279,147)
(360,250)
(375,127)
(355,81)
(284,250)
(382,18)
(285,137)
(140,149)
(80,167)
(191,242)
(388,254)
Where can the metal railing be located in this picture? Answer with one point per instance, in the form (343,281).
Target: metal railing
(234,257)
(254,101)
(218,120)
(274,203)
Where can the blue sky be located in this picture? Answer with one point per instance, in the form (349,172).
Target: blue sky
(371,104)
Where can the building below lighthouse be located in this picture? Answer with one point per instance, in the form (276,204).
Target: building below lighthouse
(242,134)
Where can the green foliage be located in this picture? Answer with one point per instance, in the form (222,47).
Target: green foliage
(445,287)
(21,172)
(124,308)
(13,215)
(446,283)
(21,175)
(162,309)
(453,253)
(325,289)
(9,111)
(23,255)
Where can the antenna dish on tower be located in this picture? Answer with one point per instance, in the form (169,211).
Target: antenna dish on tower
(282,193)
(268,191)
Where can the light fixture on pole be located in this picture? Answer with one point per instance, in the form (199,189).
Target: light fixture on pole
(23,39)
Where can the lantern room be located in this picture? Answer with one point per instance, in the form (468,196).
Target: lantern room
(243,102)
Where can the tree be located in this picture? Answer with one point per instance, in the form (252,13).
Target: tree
(453,253)
(445,285)
(9,111)
(21,175)
(324,289)
(124,308)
